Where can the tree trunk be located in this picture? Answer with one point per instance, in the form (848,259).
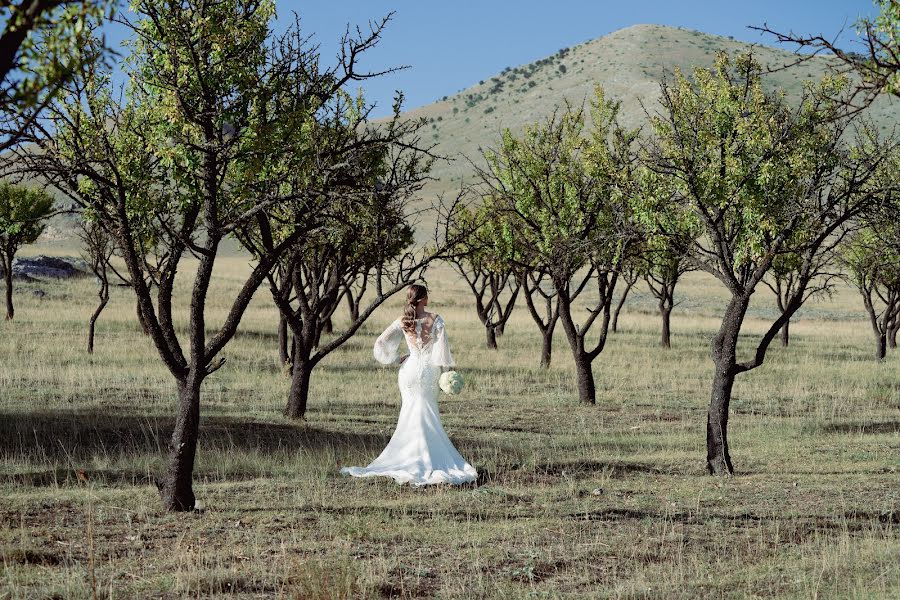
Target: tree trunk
(785,334)
(104,298)
(547,348)
(892,335)
(282,340)
(724,355)
(8,276)
(585,378)
(491,337)
(353,306)
(176,488)
(666,337)
(615,320)
(881,346)
(501,328)
(300,376)
(718,459)
(328,327)
(143,323)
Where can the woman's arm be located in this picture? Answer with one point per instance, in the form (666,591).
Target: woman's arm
(387,346)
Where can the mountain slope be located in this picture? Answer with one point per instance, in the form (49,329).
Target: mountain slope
(628,63)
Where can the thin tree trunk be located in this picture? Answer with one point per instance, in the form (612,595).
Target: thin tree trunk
(299,394)
(547,347)
(104,298)
(665,312)
(615,320)
(785,334)
(353,305)
(585,378)
(718,458)
(283,356)
(892,334)
(328,327)
(141,320)
(491,334)
(176,488)
(8,276)
(881,346)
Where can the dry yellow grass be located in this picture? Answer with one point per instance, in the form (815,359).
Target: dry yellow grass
(602,501)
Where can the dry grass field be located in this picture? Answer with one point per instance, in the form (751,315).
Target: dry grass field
(606,501)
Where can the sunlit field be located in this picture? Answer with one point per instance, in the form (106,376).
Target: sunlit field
(601,501)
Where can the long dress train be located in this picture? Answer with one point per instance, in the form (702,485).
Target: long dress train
(419,452)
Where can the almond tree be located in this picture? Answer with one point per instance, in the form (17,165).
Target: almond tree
(490,276)
(872,259)
(364,240)
(218,117)
(99,248)
(543,306)
(758,179)
(664,265)
(564,197)
(23,215)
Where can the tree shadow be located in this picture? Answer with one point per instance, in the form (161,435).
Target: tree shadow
(60,447)
(65,442)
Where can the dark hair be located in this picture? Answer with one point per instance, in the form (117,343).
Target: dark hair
(414,295)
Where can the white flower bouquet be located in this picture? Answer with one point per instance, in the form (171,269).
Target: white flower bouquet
(451,383)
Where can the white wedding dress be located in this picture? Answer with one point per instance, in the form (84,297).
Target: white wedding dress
(419,452)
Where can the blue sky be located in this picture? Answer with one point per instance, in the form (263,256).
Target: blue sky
(451,44)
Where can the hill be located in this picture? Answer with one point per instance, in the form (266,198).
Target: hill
(628,63)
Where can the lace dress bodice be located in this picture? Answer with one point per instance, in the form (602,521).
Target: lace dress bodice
(429,345)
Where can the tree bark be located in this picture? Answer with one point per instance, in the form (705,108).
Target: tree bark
(724,355)
(491,334)
(584,376)
(881,346)
(141,320)
(176,488)
(785,334)
(283,356)
(299,394)
(892,334)
(547,348)
(615,320)
(328,327)
(8,277)
(718,459)
(104,298)
(666,336)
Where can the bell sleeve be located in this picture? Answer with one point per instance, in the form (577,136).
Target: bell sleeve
(440,353)
(387,346)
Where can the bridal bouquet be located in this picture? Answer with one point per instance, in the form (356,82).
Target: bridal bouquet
(451,383)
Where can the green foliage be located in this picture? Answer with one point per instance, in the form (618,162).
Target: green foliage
(884,32)
(565,193)
(23,212)
(46,44)
(736,163)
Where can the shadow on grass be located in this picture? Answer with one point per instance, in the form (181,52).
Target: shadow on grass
(874,427)
(64,442)
(57,448)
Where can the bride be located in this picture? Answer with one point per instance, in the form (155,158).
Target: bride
(419,452)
